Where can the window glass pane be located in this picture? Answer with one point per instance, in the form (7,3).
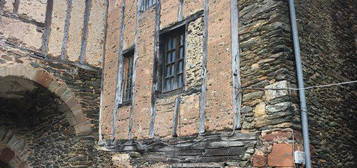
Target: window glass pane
(167,71)
(168,58)
(181,52)
(172,70)
(180,67)
(182,39)
(169,44)
(173,83)
(173,56)
(172,43)
(167,84)
(180,80)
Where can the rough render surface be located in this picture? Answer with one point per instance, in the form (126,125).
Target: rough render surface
(75,32)
(130,23)
(191,7)
(144,77)
(34,10)
(110,67)
(25,33)
(219,112)
(96,32)
(57,28)
(9,5)
(169,12)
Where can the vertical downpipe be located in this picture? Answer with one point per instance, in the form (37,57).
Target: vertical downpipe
(299,71)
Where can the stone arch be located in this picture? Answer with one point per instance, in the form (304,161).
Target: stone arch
(76,118)
(13,150)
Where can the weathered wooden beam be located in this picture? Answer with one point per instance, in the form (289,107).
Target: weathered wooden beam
(16,6)
(237,98)
(100,141)
(119,79)
(136,55)
(176,116)
(67,23)
(87,11)
(48,22)
(155,65)
(180,11)
(203,100)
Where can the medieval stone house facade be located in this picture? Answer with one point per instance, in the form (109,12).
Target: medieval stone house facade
(175,83)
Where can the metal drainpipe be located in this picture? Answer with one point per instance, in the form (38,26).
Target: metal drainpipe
(304,120)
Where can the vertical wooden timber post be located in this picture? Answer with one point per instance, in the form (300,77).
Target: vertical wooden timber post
(176,116)
(87,11)
(118,89)
(155,65)
(136,55)
(48,22)
(100,141)
(67,23)
(204,70)
(235,64)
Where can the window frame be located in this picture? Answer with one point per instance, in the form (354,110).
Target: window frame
(127,92)
(147,4)
(177,31)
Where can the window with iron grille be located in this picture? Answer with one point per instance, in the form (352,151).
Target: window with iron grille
(146,4)
(128,76)
(173,59)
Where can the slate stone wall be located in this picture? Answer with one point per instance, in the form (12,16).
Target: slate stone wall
(31,34)
(328,47)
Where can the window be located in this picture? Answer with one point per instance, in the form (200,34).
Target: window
(173,56)
(128,76)
(146,4)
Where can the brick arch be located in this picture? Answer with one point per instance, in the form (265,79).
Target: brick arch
(76,117)
(13,150)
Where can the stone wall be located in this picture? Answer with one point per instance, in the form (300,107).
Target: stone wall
(329,56)
(37,128)
(58,46)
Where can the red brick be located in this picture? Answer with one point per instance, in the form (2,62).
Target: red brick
(281,156)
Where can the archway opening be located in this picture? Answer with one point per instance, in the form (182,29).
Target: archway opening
(4,165)
(37,123)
